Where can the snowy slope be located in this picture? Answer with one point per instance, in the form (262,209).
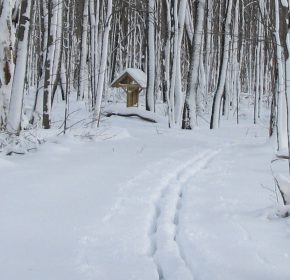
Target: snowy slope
(143,202)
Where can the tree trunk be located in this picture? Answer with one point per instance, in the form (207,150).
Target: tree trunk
(215,115)
(17,93)
(189,114)
(150,94)
(103,63)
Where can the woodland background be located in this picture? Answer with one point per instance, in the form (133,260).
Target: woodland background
(199,56)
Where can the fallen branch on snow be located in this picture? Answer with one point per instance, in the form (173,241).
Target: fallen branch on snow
(115,110)
(131,115)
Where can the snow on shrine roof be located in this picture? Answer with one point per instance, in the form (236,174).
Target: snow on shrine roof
(137,75)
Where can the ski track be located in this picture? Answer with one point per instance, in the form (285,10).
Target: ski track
(166,250)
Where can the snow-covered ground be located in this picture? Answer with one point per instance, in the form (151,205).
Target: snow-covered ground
(140,201)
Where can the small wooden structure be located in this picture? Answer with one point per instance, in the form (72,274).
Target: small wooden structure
(133,81)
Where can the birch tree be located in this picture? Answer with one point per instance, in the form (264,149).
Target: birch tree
(150,98)
(103,60)
(216,107)
(281,102)
(17,92)
(189,114)
(287,68)
(83,74)
(6,58)
(284,16)
(52,56)
(179,94)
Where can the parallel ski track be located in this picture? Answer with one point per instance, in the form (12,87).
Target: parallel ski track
(167,214)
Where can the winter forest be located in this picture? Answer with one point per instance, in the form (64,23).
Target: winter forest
(145,139)
(198,55)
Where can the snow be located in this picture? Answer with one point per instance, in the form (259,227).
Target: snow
(138,75)
(284,3)
(140,201)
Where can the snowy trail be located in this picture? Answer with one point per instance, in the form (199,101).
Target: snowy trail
(145,204)
(135,222)
(166,251)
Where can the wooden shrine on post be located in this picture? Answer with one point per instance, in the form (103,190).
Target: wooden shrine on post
(133,81)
